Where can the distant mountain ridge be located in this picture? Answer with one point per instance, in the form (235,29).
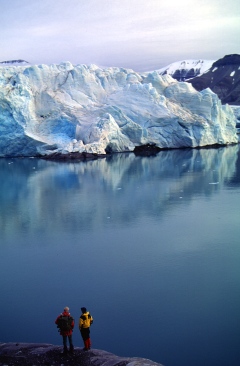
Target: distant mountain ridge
(186,69)
(14,63)
(223,78)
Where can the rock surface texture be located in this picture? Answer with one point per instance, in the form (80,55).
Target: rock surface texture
(26,354)
(48,109)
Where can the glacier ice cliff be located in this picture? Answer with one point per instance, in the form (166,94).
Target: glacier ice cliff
(65,108)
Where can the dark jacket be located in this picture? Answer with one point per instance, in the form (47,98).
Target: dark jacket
(67,332)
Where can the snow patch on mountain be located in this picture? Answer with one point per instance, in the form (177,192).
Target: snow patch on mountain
(65,108)
(186,69)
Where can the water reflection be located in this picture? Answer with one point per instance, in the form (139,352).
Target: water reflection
(36,195)
(129,234)
(234,180)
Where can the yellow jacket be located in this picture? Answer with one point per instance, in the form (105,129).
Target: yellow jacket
(85,320)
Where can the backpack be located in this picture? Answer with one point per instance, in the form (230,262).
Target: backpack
(64,323)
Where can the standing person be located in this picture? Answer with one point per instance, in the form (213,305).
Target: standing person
(65,323)
(85,321)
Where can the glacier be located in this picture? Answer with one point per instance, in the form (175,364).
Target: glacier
(68,108)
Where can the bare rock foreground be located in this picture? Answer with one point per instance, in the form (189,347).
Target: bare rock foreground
(31,354)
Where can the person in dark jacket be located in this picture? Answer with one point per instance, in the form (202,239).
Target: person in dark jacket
(65,323)
(85,321)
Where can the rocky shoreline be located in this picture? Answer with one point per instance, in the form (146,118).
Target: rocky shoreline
(144,150)
(31,354)
(76,156)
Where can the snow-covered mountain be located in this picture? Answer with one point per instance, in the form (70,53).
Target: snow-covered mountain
(66,108)
(186,69)
(14,63)
(223,78)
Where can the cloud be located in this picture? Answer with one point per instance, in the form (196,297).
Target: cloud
(131,33)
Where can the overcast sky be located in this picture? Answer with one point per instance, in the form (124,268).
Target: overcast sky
(139,34)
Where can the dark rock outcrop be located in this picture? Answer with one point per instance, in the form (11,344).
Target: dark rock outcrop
(29,354)
(184,74)
(146,150)
(223,78)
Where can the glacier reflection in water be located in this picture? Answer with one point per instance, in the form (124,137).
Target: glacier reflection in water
(149,245)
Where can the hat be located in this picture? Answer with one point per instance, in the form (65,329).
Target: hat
(83,310)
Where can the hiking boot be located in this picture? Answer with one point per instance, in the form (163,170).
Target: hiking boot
(71,350)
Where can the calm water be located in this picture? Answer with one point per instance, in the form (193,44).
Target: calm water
(149,245)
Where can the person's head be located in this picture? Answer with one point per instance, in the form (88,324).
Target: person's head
(66,309)
(84,310)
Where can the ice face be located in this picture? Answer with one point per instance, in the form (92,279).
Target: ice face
(66,108)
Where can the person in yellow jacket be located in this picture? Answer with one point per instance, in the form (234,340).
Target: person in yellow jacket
(85,321)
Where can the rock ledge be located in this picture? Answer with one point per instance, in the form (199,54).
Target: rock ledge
(31,354)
